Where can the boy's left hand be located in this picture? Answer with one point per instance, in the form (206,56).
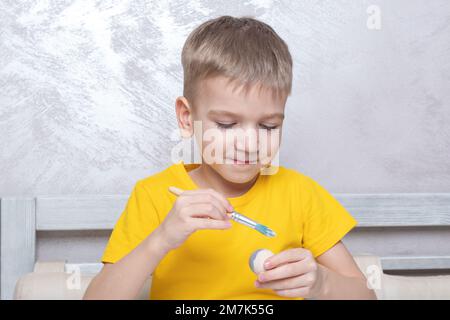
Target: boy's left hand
(292,273)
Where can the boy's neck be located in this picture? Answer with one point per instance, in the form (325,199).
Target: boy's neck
(205,177)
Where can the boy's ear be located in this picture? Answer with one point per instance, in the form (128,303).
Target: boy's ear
(184,117)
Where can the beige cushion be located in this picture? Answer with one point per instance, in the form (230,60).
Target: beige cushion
(392,287)
(49,281)
(415,288)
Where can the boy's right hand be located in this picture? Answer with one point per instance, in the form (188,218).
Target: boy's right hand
(194,210)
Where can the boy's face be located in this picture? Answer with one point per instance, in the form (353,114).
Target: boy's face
(241,131)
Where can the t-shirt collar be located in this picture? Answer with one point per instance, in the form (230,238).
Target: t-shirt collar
(181,169)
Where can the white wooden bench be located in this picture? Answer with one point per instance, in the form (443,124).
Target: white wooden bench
(399,218)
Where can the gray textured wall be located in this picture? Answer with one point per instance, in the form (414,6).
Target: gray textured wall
(88,89)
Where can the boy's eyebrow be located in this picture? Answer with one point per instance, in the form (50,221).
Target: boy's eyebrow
(275,115)
(231,114)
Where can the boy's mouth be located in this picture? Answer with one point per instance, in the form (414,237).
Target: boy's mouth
(246,162)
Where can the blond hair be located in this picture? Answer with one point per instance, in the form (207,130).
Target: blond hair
(245,50)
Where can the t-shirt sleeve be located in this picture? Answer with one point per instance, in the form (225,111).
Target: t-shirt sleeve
(325,220)
(137,221)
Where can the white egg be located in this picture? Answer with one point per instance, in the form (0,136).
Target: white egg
(258,258)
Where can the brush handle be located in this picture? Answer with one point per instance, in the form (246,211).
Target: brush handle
(177,191)
(233,215)
(243,219)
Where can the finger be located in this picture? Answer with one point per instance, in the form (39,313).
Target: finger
(199,223)
(287,283)
(208,199)
(202,210)
(212,198)
(287,270)
(226,204)
(286,256)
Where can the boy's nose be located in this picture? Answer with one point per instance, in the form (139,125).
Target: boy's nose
(246,151)
(247,142)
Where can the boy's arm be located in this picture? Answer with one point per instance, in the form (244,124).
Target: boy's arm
(342,278)
(125,278)
(117,281)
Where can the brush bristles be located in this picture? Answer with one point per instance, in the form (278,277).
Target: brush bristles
(265,231)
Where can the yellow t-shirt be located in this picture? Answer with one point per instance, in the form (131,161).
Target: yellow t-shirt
(213,264)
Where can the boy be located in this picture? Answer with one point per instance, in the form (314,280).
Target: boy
(237,76)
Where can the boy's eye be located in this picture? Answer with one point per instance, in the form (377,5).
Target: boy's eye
(225,125)
(230,125)
(268,127)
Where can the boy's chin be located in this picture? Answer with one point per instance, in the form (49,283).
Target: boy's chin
(238,174)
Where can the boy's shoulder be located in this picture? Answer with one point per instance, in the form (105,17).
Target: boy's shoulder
(290,174)
(157,180)
(298,182)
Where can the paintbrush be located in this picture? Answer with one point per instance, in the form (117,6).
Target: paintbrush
(239,218)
